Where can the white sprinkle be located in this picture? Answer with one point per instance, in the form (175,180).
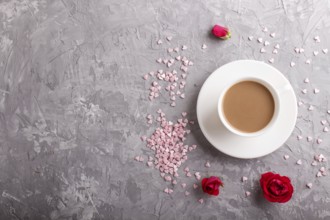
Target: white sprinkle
(159,42)
(204,46)
(244,178)
(325,51)
(301,50)
(286,157)
(195,186)
(299,137)
(184,47)
(309,138)
(265,29)
(309,185)
(159,60)
(266,43)
(178,58)
(169,38)
(314,163)
(271,60)
(300,103)
(170,50)
(262,50)
(325,129)
(176,49)
(304,91)
(173,104)
(317,39)
(328,111)
(322,169)
(201,201)
(310,108)
(316,90)
(296,50)
(275,51)
(183,185)
(319,141)
(260,40)
(187,193)
(272,35)
(315,53)
(250,38)
(277,46)
(207,164)
(292,64)
(299,162)
(247,193)
(319,174)
(323,122)
(308,61)
(306,80)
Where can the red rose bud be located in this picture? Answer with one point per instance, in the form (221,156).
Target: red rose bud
(211,185)
(276,188)
(221,32)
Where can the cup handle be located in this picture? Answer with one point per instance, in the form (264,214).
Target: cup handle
(284,89)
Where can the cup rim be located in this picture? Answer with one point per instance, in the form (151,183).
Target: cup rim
(232,129)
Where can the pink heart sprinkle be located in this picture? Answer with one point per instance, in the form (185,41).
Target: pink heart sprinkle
(247,193)
(286,157)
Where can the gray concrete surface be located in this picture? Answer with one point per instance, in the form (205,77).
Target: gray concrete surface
(73,107)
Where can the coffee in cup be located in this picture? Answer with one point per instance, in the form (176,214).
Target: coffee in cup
(248,107)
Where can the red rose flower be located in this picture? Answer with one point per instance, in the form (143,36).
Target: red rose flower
(276,188)
(221,32)
(211,185)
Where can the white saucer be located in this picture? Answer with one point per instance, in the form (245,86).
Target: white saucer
(232,144)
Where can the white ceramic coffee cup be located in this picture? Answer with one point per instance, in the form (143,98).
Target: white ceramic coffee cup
(232,129)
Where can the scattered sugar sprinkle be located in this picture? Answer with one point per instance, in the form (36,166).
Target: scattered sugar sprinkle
(169,38)
(277,46)
(266,43)
(306,80)
(260,40)
(299,137)
(310,108)
(195,186)
(316,90)
(299,162)
(201,201)
(271,60)
(250,38)
(187,193)
(207,164)
(204,46)
(286,157)
(309,185)
(272,35)
(315,53)
(309,138)
(262,50)
(319,141)
(292,64)
(247,193)
(244,178)
(325,51)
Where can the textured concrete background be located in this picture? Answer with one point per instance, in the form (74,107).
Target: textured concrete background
(73,106)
